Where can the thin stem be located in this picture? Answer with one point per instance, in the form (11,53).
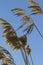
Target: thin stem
(38,31)
(24,55)
(31,59)
(27,61)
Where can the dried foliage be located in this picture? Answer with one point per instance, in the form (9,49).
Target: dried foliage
(35,8)
(15,42)
(29,28)
(27,49)
(18,11)
(6,57)
(27,19)
(11,37)
(32,2)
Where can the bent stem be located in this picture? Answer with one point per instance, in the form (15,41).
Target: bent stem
(38,31)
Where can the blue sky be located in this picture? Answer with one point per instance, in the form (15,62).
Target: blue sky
(34,39)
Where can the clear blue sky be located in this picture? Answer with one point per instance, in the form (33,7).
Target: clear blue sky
(34,39)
